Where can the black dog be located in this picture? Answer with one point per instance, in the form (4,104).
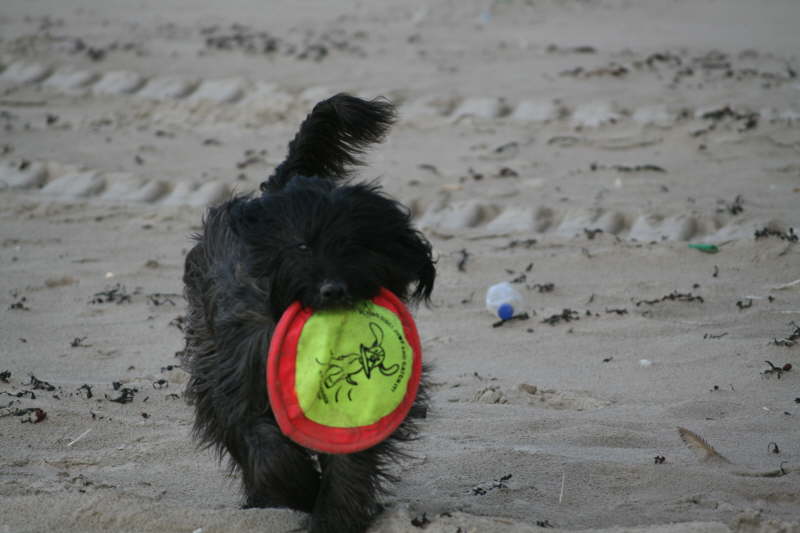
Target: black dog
(315,238)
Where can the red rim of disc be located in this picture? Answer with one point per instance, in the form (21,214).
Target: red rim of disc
(286,406)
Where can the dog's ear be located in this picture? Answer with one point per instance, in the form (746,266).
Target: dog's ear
(418,259)
(332,138)
(427,276)
(385,227)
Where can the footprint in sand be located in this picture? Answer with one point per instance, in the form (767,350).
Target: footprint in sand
(167,88)
(430,109)
(594,114)
(22,175)
(23,72)
(535,111)
(112,186)
(526,394)
(576,221)
(118,82)
(69,79)
(222,91)
(480,108)
(446,217)
(653,227)
(76,185)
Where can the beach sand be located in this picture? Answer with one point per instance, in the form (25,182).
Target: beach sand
(576,148)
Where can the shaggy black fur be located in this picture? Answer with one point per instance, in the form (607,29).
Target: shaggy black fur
(310,237)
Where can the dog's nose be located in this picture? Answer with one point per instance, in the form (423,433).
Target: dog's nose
(332,291)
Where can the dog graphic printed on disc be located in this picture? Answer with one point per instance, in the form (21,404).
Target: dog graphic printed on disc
(341,381)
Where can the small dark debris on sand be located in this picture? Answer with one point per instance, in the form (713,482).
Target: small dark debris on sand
(77,342)
(117,294)
(627,168)
(567,315)
(749,118)
(543,287)
(420,521)
(507,172)
(21,394)
(520,316)
(4,375)
(39,384)
(777,370)
(522,278)
(791,340)
(592,233)
(527,243)
(30,415)
(581,49)
(19,305)
(126,395)
(612,69)
(462,262)
(790,234)
(85,391)
(314,47)
(484,488)
(252,157)
(161,298)
(674,296)
(430,168)
(734,208)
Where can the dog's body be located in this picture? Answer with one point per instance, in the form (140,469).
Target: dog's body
(309,238)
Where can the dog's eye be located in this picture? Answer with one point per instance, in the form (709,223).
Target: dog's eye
(303,247)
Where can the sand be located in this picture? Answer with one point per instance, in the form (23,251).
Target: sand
(574,147)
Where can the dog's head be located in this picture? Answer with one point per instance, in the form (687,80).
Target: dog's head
(330,246)
(327,245)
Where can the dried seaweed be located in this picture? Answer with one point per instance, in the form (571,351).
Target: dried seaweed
(484,488)
(126,395)
(567,315)
(674,296)
(117,294)
(39,384)
(791,340)
(789,235)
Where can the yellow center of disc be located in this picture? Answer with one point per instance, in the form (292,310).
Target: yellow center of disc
(353,366)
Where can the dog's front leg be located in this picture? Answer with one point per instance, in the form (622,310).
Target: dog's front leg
(351,483)
(276,472)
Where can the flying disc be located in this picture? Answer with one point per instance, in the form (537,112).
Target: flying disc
(342,380)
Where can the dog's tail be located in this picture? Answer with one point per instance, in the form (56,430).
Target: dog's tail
(332,137)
